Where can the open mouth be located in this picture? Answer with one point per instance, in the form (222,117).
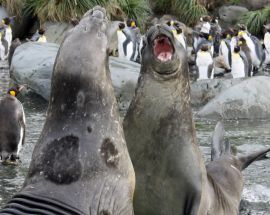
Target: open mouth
(163,49)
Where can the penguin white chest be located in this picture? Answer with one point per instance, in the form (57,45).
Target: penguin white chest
(238,66)
(266,41)
(204,61)
(121,39)
(225,52)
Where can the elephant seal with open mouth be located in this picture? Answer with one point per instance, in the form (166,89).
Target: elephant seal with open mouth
(171,177)
(80,164)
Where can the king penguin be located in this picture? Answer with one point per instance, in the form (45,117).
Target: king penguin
(239,68)
(245,49)
(12,126)
(256,49)
(204,63)
(225,49)
(178,32)
(128,41)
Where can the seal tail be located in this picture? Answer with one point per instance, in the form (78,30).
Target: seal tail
(217,148)
(246,160)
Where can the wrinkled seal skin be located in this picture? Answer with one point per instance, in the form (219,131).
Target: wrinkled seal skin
(81,159)
(160,135)
(171,177)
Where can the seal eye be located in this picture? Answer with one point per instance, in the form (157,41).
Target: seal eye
(163,49)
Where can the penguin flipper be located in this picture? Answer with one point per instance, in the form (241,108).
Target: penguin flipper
(210,71)
(246,65)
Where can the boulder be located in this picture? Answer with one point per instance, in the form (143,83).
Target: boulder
(32,64)
(55,31)
(231,14)
(203,91)
(250,99)
(256,5)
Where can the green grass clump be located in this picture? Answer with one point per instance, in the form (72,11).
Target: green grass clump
(13,6)
(187,11)
(64,10)
(254,20)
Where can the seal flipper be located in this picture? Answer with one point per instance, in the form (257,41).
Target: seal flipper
(246,160)
(217,141)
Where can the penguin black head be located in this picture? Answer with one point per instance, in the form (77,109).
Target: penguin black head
(132,23)
(242,41)
(267,27)
(14,91)
(206,18)
(41,31)
(205,48)
(224,35)
(6,20)
(236,49)
(121,26)
(242,27)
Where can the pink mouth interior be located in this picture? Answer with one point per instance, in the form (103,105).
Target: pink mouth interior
(163,49)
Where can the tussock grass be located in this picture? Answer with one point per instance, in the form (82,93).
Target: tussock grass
(187,11)
(13,6)
(254,20)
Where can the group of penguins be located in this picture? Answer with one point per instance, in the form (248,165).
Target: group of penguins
(243,53)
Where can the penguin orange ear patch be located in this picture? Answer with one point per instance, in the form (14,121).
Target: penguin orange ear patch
(12,92)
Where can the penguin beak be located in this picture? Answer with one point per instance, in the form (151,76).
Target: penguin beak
(21,87)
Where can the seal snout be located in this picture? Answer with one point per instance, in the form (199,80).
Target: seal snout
(163,48)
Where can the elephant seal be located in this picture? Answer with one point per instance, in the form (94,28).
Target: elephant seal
(80,164)
(224,173)
(12,126)
(160,132)
(171,177)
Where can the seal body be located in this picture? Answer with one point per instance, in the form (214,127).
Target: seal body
(12,127)
(80,164)
(160,133)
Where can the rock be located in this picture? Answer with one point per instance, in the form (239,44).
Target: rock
(3,13)
(55,31)
(203,91)
(256,5)
(249,99)
(32,64)
(231,14)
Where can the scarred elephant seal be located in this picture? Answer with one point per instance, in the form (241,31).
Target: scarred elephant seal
(171,177)
(80,164)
